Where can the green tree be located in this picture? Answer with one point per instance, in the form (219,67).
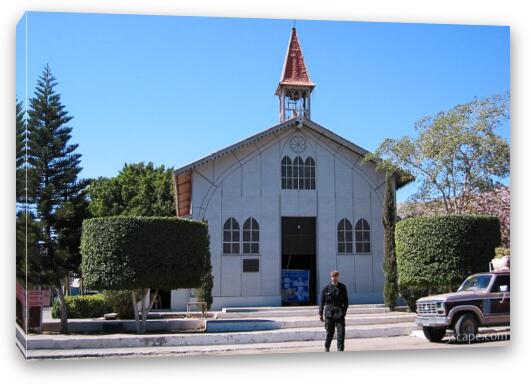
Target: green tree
(389,262)
(204,292)
(27,248)
(20,136)
(20,153)
(456,154)
(27,228)
(55,167)
(435,254)
(141,253)
(138,190)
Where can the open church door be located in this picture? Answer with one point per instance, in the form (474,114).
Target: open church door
(298,278)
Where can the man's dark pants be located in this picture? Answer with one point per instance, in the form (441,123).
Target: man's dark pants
(330,326)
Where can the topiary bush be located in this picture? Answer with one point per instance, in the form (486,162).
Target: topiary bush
(143,252)
(436,253)
(83,307)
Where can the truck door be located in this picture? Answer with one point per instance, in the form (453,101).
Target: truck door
(500,302)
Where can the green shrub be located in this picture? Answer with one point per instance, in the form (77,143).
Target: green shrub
(121,303)
(204,292)
(83,307)
(123,253)
(389,261)
(436,253)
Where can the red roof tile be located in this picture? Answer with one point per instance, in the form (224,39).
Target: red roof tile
(294,71)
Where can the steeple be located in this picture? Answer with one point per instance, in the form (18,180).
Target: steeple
(295,86)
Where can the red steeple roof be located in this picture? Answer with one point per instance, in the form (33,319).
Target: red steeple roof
(294,71)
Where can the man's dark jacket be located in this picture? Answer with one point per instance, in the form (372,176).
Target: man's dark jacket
(334,301)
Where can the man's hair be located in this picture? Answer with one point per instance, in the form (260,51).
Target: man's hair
(334,273)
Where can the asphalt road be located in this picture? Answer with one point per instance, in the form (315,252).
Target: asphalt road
(366,344)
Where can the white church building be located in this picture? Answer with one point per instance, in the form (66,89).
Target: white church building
(285,207)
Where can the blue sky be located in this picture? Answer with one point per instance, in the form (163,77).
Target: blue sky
(173,89)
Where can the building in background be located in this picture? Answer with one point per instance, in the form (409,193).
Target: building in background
(286,206)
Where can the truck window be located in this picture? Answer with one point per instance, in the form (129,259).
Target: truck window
(501,280)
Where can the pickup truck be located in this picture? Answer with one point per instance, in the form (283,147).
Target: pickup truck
(483,300)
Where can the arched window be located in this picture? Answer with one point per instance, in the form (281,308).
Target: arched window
(251,236)
(286,172)
(231,236)
(344,236)
(363,237)
(309,173)
(298,173)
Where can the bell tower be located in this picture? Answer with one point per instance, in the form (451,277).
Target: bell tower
(295,86)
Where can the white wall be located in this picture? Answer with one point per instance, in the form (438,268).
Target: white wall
(247,184)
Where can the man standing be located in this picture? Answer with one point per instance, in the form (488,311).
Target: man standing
(334,304)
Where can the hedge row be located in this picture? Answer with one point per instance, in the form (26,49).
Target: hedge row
(143,252)
(436,253)
(82,307)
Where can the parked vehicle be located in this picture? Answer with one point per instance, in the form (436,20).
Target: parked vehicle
(483,300)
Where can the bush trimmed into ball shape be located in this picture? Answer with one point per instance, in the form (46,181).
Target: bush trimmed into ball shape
(143,252)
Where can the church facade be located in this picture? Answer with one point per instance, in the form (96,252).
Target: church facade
(285,207)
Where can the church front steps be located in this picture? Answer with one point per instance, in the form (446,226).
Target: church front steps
(262,312)
(312,320)
(68,342)
(271,325)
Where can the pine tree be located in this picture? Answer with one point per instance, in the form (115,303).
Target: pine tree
(20,152)
(20,193)
(389,263)
(57,191)
(27,228)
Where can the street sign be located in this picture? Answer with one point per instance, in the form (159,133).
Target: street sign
(31,303)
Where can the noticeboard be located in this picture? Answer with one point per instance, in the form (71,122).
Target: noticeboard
(295,286)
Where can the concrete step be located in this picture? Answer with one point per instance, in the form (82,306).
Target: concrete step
(56,342)
(292,311)
(283,322)
(293,308)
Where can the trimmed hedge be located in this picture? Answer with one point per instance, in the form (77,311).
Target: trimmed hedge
(83,307)
(121,303)
(436,253)
(143,252)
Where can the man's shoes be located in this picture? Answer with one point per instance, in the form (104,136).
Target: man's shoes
(327,349)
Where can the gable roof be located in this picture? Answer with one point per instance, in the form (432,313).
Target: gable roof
(268,132)
(275,129)
(183,176)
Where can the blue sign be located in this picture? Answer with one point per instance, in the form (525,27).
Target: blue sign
(295,286)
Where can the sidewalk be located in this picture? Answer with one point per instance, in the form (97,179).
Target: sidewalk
(368,344)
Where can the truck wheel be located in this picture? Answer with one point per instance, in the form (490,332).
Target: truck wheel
(466,328)
(434,334)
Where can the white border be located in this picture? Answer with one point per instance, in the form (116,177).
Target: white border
(499,365)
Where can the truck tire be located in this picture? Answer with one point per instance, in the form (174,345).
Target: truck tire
(466,328)
(434,334)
